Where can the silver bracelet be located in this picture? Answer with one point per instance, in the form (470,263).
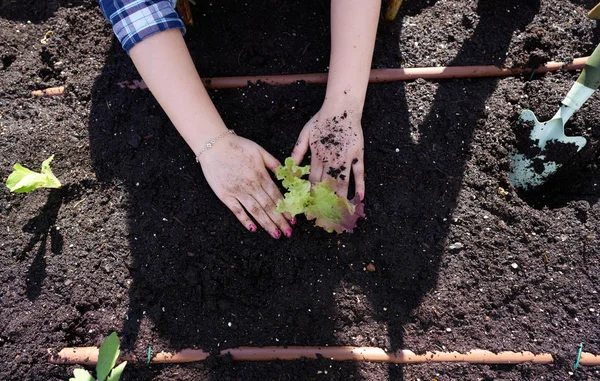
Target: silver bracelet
(212,142)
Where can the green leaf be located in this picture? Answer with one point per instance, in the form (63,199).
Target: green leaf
(290,173)
(116,373)
(81,375)
(296,200)
(109,352)
(24,180)
(319,201)
(327,208)
(298,195)
(48,172)
(331,212)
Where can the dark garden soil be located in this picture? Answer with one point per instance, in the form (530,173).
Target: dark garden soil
(136,242)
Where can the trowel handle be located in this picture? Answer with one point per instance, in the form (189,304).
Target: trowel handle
(590,76)
(587,83)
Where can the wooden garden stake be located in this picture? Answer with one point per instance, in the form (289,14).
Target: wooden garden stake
(60,90)
(392,10)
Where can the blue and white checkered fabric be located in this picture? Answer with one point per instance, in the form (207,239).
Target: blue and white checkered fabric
(134,20)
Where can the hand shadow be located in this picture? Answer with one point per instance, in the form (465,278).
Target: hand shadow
(42,227)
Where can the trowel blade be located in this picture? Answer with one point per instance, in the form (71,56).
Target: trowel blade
(545,151)
(530,173)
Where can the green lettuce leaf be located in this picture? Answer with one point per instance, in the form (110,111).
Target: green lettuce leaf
(319,201)
(298,195)
(332,212)
(24,180)
(291,173)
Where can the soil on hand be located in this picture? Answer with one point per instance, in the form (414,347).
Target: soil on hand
(450,256)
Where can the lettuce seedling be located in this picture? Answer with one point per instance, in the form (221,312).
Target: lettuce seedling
(24,180)
(318,202)
(297,198)
(107,357)
(332,212)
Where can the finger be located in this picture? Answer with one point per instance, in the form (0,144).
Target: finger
(342,183)
(259,214)
(317,166)
(268,205)
(301,147)
(316,173)
(240,213)
(273,192)
(358,170)
(270,161)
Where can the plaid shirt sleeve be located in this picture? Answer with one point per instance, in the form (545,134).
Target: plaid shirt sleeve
(134,20)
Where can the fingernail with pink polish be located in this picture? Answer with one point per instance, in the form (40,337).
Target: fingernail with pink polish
(276,234)
(288,233)
(361,196)
(293,221)
(252,228)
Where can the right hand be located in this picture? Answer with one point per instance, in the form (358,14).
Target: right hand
(235,170)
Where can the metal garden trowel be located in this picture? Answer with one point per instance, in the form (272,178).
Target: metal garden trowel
(542,152)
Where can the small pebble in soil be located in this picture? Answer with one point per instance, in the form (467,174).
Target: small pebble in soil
(448,329)
(456,246)
(371,268)
(514,266)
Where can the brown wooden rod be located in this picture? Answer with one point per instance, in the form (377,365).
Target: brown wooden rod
(379,75)
(589,359)
(60,90)
(185,355)
(372,354)
(89,355)
(83,356)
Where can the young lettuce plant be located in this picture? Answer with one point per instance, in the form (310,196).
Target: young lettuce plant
(105,369)
(24,180)
(318,202)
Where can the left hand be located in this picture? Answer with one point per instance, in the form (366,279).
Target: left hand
(337,145)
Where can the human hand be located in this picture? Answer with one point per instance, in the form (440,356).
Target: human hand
(234,167)
(336,144)
(235,170)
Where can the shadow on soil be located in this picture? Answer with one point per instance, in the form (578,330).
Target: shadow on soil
(199,279)
(436,165)
(574,184)
(43,228)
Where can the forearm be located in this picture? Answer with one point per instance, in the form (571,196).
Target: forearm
(353,30)
(165,64)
